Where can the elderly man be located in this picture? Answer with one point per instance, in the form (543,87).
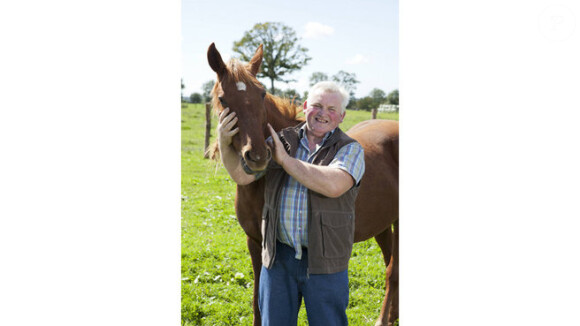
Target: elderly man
(308,216)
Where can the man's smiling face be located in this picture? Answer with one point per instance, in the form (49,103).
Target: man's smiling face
(323,113)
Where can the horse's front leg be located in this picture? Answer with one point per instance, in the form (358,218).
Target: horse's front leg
(256,255)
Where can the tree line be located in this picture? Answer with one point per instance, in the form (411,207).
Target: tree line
(283,55)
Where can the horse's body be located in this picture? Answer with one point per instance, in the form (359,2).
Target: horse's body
(377,206)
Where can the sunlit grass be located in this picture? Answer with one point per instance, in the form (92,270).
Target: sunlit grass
(217,277)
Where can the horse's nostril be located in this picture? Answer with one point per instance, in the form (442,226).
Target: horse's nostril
(247,156)
(256,157)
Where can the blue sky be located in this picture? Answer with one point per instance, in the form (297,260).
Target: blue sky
(359,37)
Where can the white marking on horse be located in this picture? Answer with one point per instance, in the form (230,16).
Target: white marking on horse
(241,86)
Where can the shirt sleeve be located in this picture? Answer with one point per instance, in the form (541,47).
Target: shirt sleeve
(350,158)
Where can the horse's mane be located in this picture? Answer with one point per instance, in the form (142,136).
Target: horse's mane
(287,109)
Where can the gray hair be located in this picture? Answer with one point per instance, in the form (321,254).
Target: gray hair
(329,87)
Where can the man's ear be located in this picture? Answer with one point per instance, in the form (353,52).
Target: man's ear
(304,109)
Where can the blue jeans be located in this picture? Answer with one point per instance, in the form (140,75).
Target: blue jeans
(283,286)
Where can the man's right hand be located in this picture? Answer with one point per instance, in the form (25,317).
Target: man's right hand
(231,159)
(226,130)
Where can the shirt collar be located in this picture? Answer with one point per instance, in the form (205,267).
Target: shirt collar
(302,133)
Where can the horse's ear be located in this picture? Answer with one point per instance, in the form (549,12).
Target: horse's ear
(257,60)
(215,60)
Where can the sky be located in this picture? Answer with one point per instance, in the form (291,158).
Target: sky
(359,37)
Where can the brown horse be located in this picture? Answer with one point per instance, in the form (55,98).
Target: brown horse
(377,205)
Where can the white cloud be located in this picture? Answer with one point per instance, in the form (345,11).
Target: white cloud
(357,59)
(315,30)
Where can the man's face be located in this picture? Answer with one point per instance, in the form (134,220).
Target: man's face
(323,113)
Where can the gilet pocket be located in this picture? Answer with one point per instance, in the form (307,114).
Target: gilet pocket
(337,234)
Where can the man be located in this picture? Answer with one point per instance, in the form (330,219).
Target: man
(308,216)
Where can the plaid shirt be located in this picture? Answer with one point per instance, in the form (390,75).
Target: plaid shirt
(293,224)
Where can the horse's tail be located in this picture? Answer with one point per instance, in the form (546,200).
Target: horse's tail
(213,151)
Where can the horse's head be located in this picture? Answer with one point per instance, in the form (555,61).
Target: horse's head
(238,89)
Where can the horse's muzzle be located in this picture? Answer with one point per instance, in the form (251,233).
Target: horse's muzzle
(259,163)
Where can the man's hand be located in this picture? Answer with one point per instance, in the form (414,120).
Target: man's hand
(278,152)
(225,125)
(326,180)
(230,158)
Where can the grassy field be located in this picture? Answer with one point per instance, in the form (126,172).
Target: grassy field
(217,277)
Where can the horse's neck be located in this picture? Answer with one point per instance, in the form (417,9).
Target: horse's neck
(277,119)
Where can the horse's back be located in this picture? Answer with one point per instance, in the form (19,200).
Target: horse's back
(372,131)
(378,138)
(377,205)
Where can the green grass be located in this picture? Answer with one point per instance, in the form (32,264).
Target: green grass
(354,117)
(217,277)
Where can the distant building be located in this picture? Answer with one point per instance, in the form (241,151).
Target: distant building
(388,108)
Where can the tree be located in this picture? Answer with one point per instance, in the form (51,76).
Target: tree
(206,88)
(378,97)
(282,53)
(317,77)
(291,94)
(347,80)
(393,97)
(196,98)
(365,103)
(351,102)
(182,87)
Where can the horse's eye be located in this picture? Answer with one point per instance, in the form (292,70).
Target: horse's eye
(263,95)
(222,101)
